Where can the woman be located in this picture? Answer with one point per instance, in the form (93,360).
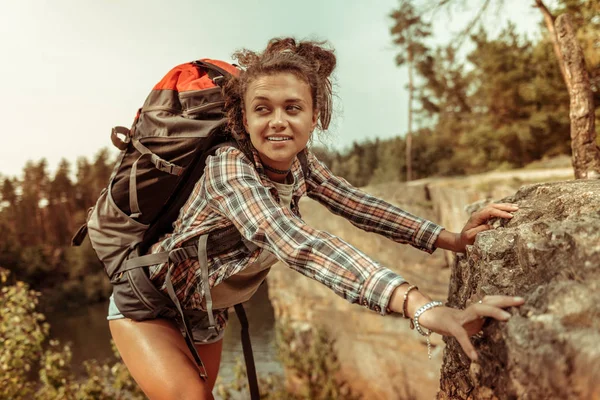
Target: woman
(281,96)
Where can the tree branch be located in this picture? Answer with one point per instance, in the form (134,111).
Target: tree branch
(462,35)
(549,21)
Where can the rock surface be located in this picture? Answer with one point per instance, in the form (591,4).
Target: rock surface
(548,253)
(451,196)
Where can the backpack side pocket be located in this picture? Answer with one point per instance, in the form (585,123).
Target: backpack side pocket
(113,233)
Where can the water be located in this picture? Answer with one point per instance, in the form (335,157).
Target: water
(86,329)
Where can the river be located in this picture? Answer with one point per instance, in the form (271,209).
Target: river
(86,329)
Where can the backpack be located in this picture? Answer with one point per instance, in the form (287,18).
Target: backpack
(162,157)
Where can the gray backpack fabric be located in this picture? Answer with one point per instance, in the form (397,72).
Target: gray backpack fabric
(162,157)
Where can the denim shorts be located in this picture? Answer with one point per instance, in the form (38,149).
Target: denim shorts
(198,321)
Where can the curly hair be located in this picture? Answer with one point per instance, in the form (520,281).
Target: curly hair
(310,61)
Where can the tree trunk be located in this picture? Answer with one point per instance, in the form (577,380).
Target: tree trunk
(410,112)
(586,154)
(549,21)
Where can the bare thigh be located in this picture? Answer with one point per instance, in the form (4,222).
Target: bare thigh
(159,360)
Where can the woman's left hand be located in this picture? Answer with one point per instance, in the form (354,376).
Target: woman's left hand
(478,223)
(462,324)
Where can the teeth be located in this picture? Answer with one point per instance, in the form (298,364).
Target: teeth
(278,139)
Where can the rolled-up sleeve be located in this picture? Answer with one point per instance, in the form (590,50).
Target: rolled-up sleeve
(368,212)
(235,190)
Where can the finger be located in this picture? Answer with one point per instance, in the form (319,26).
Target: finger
(471,233)
(484,215)
(503,301)
(505,206)
(494,212)
(462,337)
(485,310)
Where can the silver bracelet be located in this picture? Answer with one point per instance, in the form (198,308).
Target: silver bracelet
(420,311)
(415,320)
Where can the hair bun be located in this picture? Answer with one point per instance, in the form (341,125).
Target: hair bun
(321,57)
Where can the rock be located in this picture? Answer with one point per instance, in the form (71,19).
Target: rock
(452,197)
(548,253)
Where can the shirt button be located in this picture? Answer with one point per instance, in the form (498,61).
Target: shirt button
(377,308)
(364,303)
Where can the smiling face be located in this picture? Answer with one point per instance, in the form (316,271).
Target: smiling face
(279,117)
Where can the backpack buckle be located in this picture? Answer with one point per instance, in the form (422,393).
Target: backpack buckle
(167,167)
(218,80)
(183,253)
(213,330)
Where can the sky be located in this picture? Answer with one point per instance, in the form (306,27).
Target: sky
(73,69)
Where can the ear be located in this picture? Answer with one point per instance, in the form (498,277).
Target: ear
(245,120)
(315,119)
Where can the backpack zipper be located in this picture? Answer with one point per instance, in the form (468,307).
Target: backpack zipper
(137,292)
(198,109)
(189,112)
(160,108)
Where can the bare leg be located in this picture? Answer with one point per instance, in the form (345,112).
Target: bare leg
(159,360)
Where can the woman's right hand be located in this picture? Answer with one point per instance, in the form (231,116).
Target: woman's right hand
(462,324)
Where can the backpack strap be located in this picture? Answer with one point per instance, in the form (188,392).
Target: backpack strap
(116,140)
(203,261)
(248,355)
(79,236)
(216,73)
(189,338)
(210,66)
(159,163)
(239,310)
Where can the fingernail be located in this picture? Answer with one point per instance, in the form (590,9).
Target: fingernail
(506,314)
(519,298)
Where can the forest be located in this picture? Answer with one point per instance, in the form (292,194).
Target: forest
(502,106)
(488,103)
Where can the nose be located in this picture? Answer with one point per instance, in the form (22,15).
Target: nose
(278,122)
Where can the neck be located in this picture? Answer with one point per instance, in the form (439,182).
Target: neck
(277,175)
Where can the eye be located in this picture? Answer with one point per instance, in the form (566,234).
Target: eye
(261,109)
(294,108)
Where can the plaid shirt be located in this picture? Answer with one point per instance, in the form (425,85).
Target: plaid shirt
(234,190)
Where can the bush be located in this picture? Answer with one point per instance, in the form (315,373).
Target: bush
(310,360)
(23,334)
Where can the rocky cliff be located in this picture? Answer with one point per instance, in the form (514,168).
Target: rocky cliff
(550,254)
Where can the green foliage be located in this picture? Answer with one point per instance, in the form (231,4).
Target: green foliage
(36,366)
(409,32)
(312,367)
(38,216)
(502,105)
(30,369)
(310,355)
(22,334)
(272,386)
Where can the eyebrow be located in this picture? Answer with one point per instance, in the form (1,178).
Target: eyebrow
(290,100)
